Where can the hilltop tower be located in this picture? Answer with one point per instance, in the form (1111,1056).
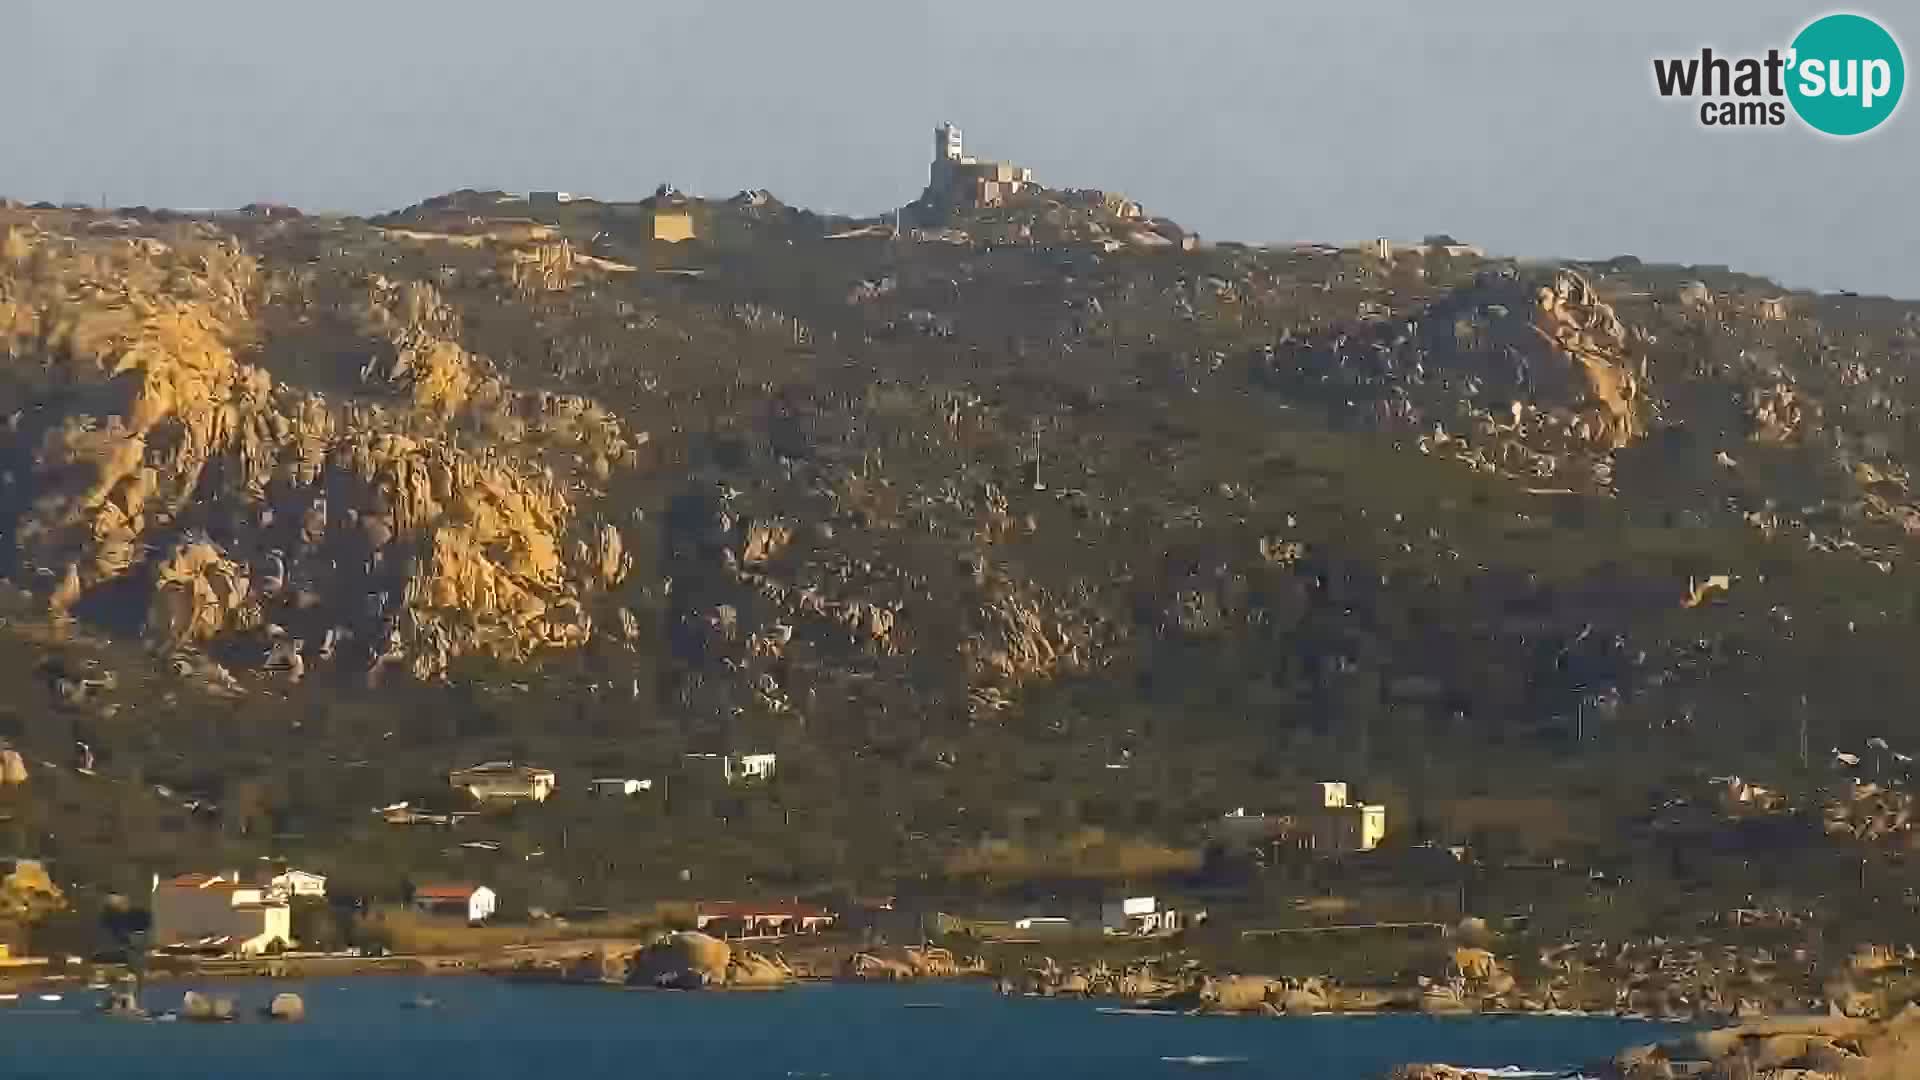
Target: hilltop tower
(946,154)
(958,180)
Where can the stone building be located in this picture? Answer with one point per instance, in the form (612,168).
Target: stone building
(956,180)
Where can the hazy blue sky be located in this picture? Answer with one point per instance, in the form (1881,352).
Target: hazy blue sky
(1529,127)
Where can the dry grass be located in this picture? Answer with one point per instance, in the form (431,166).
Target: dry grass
(1090,853)
(410,932)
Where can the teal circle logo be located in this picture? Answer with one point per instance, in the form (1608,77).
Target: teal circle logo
(1845,74)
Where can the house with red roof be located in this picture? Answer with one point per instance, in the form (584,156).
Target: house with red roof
(474,903)
(759,919)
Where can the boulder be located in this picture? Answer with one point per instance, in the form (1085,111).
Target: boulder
(1301,1002)
(289,1008)
(868,967)
(748,969)
(1239,993)
(1582,328)
(684,961)
(931,961)
(200,1007)
(598,966)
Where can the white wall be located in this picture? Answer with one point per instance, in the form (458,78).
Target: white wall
(182,915)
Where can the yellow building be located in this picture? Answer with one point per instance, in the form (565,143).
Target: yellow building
(1338,825)
(670,225)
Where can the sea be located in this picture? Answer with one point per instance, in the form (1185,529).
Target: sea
(478,1028)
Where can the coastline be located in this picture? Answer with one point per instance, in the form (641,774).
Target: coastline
(1171,984)
(816,1028)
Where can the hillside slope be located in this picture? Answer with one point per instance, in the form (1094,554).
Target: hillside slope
(1014,529)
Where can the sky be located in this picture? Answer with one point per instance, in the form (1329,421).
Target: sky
(1529,128)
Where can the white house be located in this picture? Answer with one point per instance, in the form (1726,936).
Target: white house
(737,767)
(475,903)
(1138,915)
(503,781)
(614,785)
(218,911)
(298,884)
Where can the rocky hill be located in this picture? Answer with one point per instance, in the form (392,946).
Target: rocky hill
(1016,519)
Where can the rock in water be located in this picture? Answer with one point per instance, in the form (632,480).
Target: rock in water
(196,1006)
(287,1007)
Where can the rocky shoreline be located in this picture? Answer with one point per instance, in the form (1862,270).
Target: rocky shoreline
(1832,1047)
(695,961)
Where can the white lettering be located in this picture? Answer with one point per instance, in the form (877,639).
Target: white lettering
(1878,80)
(1848,86)
(1813,78)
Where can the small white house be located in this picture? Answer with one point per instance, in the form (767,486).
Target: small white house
(616,785)
(1138,915)
(738,767)
(475,903)
(298,884)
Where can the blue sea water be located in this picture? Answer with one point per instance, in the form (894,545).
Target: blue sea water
(485,1029)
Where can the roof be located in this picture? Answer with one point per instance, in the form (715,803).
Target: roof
(503,768)
(446,891)
(741,909)
(206,881)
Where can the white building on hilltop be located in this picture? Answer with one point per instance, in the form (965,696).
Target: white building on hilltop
(955,179)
